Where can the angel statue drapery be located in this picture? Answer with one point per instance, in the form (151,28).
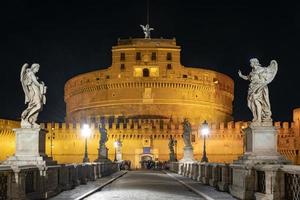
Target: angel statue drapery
(258,93)
(34,95)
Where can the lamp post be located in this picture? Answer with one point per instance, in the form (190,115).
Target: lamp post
(204,129)
(86,132)
(116,145)
(51,138)
(175,143)
(51,141)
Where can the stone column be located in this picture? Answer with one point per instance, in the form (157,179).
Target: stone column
(243,182)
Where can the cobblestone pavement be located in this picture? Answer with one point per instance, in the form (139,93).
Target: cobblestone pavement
(145,185)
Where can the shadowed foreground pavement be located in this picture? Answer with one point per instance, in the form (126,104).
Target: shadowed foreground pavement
(145,185)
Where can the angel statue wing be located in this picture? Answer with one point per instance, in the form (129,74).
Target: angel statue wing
(24,81)
(271,71)
(143,27)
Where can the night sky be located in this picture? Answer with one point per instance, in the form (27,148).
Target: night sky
(68,38)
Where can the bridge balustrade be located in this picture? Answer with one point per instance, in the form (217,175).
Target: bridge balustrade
(263,181)
(29,182)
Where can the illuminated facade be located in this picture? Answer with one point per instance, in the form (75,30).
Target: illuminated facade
(142,99)
(224,144)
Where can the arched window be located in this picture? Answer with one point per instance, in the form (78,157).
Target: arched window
(145,72)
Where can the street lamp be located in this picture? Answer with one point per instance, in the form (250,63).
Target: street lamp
(51,141)
(175,143)
(204,129)
(86,132)
(51,138)
(116,145)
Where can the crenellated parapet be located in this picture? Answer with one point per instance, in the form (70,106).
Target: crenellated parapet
(7,126)
(163,126)
(224,142)
(7,137)
(152,127)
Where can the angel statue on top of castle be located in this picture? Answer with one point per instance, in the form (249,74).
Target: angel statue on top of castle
(147,30)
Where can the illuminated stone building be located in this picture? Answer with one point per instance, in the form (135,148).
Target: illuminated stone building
(143,98)
(147,85)
(147,80)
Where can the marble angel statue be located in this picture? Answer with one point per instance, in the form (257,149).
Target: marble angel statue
(103,134)
(34,95)
(258,93)
(171,145)
(171,149)
(147,30)
(187,131)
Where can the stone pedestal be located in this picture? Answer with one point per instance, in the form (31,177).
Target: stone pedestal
(261,146)
(188,154)
(119,154)
(172,157)
(260,150)
(102,154)
(30,148)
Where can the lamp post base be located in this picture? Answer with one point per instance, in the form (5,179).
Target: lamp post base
(86,160)
(204,158)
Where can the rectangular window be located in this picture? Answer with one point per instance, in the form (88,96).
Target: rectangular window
(138,72)
(122,67)
(193,138)
(153,56)
(169,66)
(122,56)
(154,72)
(169,56)
(184,76)
(138,56)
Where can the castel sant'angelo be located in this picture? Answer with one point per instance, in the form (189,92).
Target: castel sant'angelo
(142,99)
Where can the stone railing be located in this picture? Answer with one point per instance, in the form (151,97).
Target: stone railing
(4,182)
(29,182)
(276,182)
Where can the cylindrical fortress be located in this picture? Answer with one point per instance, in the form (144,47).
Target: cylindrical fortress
(146,79)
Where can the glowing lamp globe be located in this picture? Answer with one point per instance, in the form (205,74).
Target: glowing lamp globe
(86,131)
(204,129)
